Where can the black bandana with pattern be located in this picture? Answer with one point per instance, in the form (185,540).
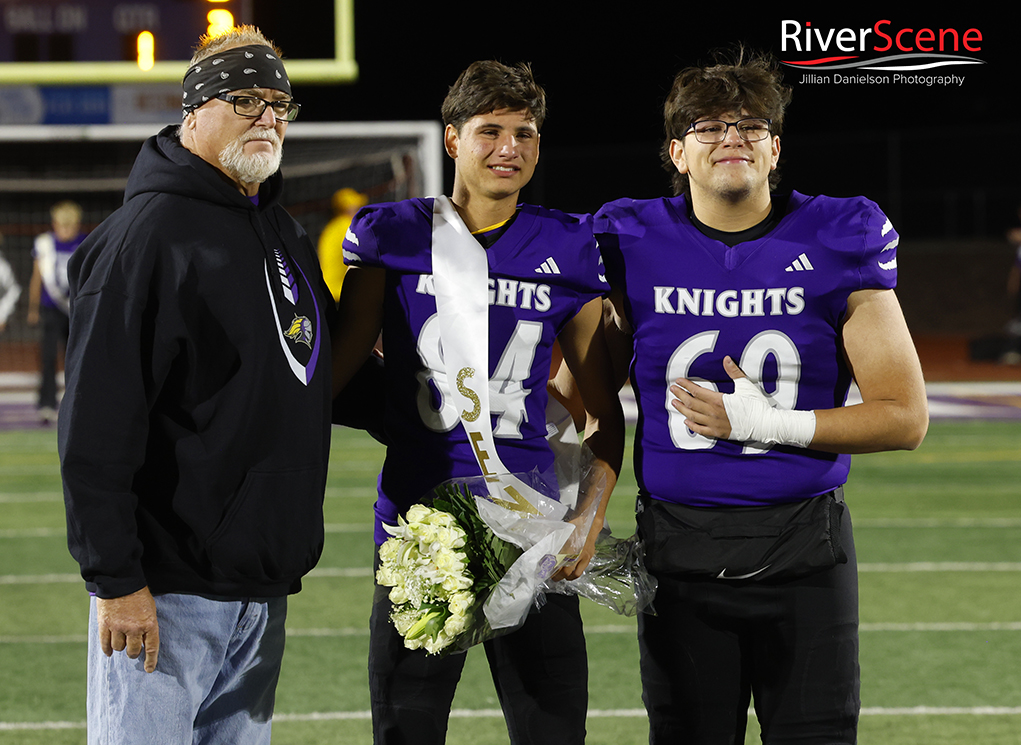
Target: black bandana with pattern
(254,66)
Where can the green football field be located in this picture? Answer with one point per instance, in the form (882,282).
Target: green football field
(939,544)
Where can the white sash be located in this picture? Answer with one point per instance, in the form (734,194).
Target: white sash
(49,264)
(461,277)
(461,281)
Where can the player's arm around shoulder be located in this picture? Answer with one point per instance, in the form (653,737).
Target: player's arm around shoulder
(894,413)
(588,359)
(618,336)
(585,352)
(360,319)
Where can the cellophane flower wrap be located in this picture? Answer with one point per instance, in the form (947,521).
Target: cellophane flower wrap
(469,562)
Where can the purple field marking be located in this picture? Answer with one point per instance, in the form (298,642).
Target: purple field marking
(992,401)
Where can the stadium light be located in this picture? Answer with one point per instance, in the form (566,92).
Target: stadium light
(146,50)
(220,21)
(105,49)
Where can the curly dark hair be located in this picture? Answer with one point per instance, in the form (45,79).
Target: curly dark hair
(739,80)
(488,85)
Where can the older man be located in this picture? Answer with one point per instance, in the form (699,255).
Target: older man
(195,437)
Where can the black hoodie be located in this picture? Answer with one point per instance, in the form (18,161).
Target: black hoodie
(194,432)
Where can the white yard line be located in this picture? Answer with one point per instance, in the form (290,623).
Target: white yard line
(38,579)
(50,579)
(339,572)
(37,469)
(320,633)
(938,522)
(943,566)
(39,496)
(348,528)
(62,532)
(946,626)
(987,523)
(334,492)
(33,533)
(326,572)
(326,716)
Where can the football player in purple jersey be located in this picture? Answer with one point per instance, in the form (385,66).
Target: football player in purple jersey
(545,284)
(742,316)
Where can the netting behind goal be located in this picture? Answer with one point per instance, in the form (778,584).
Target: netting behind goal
(43,165)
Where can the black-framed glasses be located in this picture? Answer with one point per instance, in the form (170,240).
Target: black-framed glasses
(251,107)
(712,131)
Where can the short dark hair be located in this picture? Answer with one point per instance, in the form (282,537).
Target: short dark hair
(488,85)
(739,80)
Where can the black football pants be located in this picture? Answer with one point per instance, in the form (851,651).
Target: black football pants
(540,672)
(790,646)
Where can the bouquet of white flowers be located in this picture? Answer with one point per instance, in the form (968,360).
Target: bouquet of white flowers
(442,563)
(467,565)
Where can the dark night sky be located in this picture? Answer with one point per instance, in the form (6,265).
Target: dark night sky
(606,73)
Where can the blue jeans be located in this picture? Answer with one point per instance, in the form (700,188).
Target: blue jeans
(214,682)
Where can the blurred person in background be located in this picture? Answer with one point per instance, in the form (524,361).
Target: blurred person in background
(10,290)
(47,296)
(1012,352)
(346,202)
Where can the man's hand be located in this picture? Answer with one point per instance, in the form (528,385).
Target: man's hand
(128,624)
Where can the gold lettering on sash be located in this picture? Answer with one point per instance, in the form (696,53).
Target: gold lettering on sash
(517,502)
(480,455)
(468,416)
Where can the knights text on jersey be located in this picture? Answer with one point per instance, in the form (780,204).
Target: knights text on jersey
(542,270)
(774,304)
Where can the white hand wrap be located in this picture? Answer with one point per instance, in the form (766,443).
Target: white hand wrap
(754,419)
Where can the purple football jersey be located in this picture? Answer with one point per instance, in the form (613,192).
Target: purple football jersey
(774,304)
(542,270)
(60,256)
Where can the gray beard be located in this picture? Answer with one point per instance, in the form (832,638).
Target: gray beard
(251,169)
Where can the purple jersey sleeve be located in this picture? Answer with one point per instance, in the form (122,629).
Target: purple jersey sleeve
(774,304)
(375,237)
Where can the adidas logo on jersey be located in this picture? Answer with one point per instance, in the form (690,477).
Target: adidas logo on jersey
(800,264)
(549,266)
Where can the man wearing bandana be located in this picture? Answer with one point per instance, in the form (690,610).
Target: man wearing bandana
(195,443)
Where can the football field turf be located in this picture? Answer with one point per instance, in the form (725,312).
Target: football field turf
(938,534)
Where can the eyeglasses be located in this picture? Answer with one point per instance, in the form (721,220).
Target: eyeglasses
(711,131)
(252,107)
